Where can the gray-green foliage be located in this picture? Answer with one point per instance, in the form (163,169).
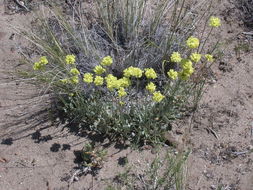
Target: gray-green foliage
(134,32)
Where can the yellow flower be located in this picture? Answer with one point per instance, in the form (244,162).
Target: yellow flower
(151,87)
(98,81)
(122,92)
(124,82)
(37,66)
(128,72)
(187,69)
(106,61)
(74,79)
(99,70)
(112,82)
(70,59)
(133,71)
(209,57)
(150,73)
(172,74)
(74,71)
(121,103)
(192,42)
(175,57)
(195,57)
(184,75)
(43,60)
(158,97)
(214,22)
(65,81)
(88,78)
(186,64)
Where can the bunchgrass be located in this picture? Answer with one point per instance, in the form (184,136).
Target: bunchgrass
(127,38)
(164,172)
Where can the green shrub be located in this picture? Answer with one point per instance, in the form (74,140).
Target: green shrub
(137,68)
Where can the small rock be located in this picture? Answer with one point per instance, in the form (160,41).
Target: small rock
(33,162)
(222,145)
(174,140)
(250,147)
(179,132)
(4,160)
(208,174)
(12,36)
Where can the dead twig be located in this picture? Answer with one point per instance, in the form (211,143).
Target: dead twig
(21,4)
(240,153)
(213,132)
(248,33)
(83,170)
(4,160)
(251,131)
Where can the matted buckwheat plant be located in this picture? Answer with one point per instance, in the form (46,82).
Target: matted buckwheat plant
(131,70)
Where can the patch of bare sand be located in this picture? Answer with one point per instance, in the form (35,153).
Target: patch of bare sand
(221,134)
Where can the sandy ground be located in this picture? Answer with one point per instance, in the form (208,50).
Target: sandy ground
(36,155)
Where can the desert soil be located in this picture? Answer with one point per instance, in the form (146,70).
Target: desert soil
(34,154)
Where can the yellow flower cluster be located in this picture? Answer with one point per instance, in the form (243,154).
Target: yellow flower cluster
(195,57)
(43,60)
(74,79)
(40,64)
(70,59)
(106,61)
(158,97)
(172,74)
(124,82)
(187,69)
(112,82)
(151,87)
(192,42)
(122,92)
(99,81)
(186,64)
(209,57)
(74,71)
(175,57)
(71,80)
(214,22)
(150,73)
(133,71)
(88,77)
(65,81)
(99,70)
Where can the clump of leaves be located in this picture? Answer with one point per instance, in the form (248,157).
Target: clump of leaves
(92,156)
